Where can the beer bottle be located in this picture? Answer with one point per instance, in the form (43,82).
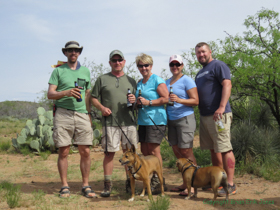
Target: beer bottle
(128,104)
(170,103)
(80,98)
(139,94)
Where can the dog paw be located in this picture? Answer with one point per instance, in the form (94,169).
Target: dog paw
(142,195)
(130,199)
(187,198)
(148,200)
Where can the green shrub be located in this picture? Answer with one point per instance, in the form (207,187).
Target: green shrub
(13,196)
(167,154)
(5,145)
(203,157)
(161,203)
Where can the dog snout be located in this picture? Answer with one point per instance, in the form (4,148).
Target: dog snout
(120,160)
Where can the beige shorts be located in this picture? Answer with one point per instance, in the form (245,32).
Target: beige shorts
(68,125)
(115,137)
(209,136)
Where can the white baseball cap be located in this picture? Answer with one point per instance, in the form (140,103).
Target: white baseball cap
(176,58)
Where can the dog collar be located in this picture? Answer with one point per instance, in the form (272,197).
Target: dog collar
(136,171)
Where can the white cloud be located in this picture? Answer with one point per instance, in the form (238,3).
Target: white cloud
(37,27)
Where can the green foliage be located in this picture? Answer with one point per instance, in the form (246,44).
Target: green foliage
(161,203)
(36,136)
(4,146)
(167,154)
(12,193)
(203,157)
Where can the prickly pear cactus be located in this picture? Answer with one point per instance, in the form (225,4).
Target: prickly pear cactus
(37,133)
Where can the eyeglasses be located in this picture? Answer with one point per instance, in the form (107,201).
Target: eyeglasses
(73,49)
(141,66)
(116,60)
(175,64)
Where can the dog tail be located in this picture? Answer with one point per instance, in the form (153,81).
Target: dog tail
(224,182)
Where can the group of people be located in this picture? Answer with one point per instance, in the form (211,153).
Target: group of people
(69,85)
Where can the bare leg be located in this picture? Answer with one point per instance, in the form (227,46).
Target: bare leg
(144,148)
(154,149)
(216,159)
(85,165)
(62,165)
(229,165)
(108,163)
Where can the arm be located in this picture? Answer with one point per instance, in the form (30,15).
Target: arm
(192,101)
(163,99)
(104,110)
(53,94)
(226,91)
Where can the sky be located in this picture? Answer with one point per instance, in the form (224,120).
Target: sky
(34,31)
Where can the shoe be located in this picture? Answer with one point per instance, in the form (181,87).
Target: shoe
(107,189)
(127,186)
(155,185)
(231,191)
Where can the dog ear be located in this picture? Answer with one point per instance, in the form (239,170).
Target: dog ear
(133,148)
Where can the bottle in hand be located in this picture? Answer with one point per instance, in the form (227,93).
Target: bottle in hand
(220,124)
(171,103)
(139,94)
(128,104)
(78,99)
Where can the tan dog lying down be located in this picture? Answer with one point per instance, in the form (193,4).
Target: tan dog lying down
(141,168)
(213,175)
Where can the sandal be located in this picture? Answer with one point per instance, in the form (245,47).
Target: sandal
(86,190)
(64,191)
(183,193)
(177,189)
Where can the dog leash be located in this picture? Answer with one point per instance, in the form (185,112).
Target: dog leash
(106,146)
(121,130)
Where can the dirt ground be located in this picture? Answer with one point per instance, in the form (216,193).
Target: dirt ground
(34,173)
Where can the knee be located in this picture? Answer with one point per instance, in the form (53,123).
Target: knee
(186,152)
(63,153)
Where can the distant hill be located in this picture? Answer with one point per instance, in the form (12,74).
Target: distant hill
(20,109)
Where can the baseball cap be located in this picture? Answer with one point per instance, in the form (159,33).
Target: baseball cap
(176,58)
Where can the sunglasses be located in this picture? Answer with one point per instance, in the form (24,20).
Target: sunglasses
(141,66)
(116,60)
(175,64)
(73,49)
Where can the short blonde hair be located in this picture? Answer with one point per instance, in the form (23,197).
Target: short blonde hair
(144,58)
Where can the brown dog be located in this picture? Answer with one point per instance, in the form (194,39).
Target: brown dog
(141,168)
(213,175)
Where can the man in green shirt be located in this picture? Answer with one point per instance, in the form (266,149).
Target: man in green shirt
(69,85)
(112,90)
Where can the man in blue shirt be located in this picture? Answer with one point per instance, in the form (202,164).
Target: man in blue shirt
(214,88)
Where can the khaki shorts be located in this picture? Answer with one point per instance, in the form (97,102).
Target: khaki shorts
(209,136)
(115,137)
(68,125)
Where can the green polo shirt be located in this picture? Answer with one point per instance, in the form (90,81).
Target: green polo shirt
(64,78)
(112,92)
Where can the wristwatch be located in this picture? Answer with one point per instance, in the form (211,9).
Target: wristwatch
(150,103)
